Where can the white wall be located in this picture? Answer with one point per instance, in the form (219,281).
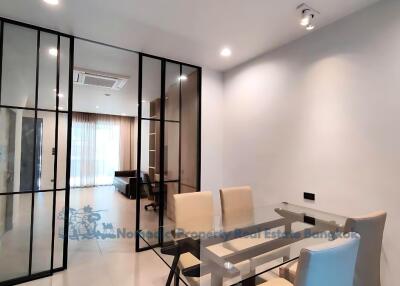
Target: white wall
(17,151)
(4,158)
(322,115)
(211,131)
(47,174)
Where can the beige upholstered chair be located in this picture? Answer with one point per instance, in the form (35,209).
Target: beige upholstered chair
(367,273)
(368,264)
(328,264)
(237,206)
(238,211)
(194,213)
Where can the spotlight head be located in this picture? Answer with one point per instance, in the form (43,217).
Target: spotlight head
(306,17)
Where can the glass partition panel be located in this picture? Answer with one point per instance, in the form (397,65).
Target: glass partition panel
(62,150)
(47,71)
(28,130)
(169,138)
(59,234)
(150,174)
(189,129)
(15,217)
(45,149)
(149,207)
(64,73)
(42,232)
(16,149)
(150,144)
(172,91)
(150,150)
(169,214)
(19,66)
(10,133)
(151,88)
(171,151)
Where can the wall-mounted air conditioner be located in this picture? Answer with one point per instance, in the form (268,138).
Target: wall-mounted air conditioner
(99,79)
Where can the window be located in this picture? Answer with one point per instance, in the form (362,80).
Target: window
(97,147)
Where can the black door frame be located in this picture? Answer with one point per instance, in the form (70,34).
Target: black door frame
(34,190)
(69,112)
(162,120)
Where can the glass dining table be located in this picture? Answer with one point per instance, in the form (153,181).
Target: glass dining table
(242,248)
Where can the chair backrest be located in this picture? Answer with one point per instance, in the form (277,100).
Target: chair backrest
(328,264)
(194,212)
(237,206)
(146,184)
(370,227)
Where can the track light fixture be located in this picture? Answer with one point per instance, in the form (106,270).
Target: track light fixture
(307,16)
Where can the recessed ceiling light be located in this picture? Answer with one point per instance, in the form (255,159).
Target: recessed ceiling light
(53,52)
(226,52)
(144,101)
(123,114)
(183,77)
(51,2)
(97,107)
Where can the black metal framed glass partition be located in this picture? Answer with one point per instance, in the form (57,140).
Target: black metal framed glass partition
(35,104)
(169,129)
(36,92)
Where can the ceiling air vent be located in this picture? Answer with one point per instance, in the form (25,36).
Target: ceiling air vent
(99,79)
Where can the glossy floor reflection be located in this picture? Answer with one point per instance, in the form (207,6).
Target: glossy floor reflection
(15,242)
(105,261)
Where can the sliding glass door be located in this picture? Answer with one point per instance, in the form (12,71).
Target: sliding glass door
(168,139)
(35,88)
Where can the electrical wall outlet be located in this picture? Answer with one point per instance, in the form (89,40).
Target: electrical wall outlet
(309,196)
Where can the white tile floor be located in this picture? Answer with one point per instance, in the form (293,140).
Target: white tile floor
(108,262)
(104,262)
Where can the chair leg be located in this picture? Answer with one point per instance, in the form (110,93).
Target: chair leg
(176,278)
(173,270)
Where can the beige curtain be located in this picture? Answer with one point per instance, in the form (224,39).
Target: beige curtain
(126,143)
(101,145)
(83,150)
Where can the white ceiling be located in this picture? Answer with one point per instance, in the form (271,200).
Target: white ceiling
(186,30)
(19,62)
(106,60)
(115,61)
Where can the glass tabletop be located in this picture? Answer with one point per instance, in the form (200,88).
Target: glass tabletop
(242,245)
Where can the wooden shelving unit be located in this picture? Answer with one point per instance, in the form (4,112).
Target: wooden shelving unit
(154,140)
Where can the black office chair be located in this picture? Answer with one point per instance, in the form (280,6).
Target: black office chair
(152,192)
